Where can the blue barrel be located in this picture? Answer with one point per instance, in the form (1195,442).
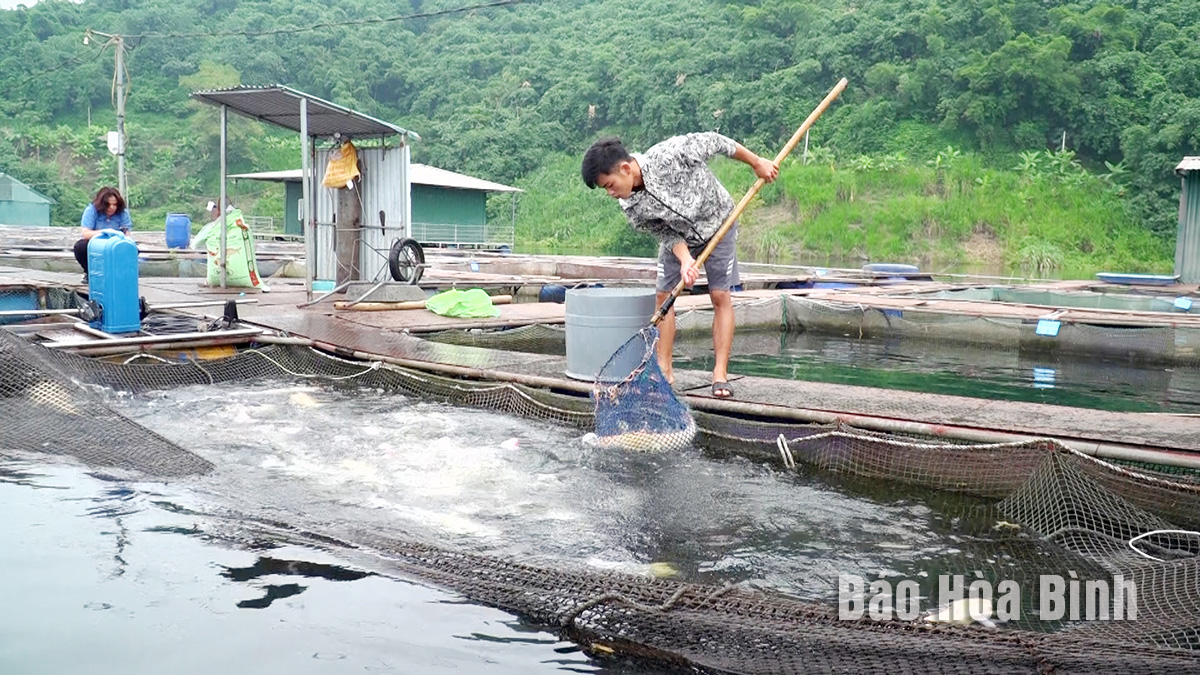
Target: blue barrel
(599,322)
(113,281)
(179,230)
(552,293)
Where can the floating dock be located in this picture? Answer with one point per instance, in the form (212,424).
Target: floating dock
(865,305)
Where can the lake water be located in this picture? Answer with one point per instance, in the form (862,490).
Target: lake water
(912,364)
(113,573)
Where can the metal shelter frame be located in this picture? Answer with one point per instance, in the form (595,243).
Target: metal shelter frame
(314,118)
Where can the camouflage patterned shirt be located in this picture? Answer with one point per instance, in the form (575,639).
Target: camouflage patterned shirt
(681,198)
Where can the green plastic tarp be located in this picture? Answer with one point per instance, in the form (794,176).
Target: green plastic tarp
(473,304)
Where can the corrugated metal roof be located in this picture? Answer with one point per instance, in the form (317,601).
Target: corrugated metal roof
(280,105)
(16,191)
(1188,164)
(420,174)
(423,174)
(286,176)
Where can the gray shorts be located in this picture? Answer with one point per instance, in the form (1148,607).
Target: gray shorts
(721,268)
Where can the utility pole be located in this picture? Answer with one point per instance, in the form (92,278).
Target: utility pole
(118,43)
(122,185)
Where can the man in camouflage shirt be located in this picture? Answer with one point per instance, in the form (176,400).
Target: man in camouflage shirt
(671,193)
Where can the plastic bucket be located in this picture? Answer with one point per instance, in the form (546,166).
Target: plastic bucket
(179,230)
(598,322)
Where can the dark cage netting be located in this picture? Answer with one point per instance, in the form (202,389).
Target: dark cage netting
(1061,512)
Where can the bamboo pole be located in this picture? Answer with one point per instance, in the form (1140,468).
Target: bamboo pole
(156,339)
(992,309)
(172,305)
(84,328)
(38,312)
(105,347)
(26,328)
(411,304)
(1099,449)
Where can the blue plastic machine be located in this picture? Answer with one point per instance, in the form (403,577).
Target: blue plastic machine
(113,281)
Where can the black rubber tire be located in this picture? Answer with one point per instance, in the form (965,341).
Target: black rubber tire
(406,261)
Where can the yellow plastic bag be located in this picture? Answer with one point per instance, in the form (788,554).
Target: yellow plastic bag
(342,167)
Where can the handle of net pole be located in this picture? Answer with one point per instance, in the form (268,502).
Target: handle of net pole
(666,307)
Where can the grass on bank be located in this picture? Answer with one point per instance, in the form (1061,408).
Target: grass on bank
(1045,215)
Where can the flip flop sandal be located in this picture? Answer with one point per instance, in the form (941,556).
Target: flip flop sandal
(721,390)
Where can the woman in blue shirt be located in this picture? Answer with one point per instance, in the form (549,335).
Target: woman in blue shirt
(106,212)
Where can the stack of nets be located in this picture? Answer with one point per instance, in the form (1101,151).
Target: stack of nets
(640,412)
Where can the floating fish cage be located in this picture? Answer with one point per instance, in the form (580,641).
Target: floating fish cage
(1046,509)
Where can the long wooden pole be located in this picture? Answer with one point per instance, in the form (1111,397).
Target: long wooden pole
(243,333)
(409,304)
(741,205)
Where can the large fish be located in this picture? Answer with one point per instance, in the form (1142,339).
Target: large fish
(964,612)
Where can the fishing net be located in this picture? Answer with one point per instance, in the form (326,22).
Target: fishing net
(640,412)
(1170,344)
(36,297)
(43,408)
(1016,511)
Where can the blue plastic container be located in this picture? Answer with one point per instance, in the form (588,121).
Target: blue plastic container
(179,230)
(552,293)
(113,281)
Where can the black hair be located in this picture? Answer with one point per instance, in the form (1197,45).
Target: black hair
(604,156)
(102,197)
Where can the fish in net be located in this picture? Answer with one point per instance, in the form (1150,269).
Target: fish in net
(640,411)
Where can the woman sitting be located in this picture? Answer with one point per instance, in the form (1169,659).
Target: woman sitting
(106,212)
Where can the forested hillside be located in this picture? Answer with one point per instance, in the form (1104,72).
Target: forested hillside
(505,92)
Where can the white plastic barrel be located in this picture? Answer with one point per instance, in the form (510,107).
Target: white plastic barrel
(599,321)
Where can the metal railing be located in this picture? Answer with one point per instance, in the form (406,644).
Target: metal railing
(490,235)
(264,224)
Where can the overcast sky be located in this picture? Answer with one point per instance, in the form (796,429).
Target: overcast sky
(9,4)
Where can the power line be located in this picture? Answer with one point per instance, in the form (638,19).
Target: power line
(329,24)
(69,62)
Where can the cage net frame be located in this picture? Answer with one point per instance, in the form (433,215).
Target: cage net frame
(1072,511)
(1168,344)
(1151,344)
